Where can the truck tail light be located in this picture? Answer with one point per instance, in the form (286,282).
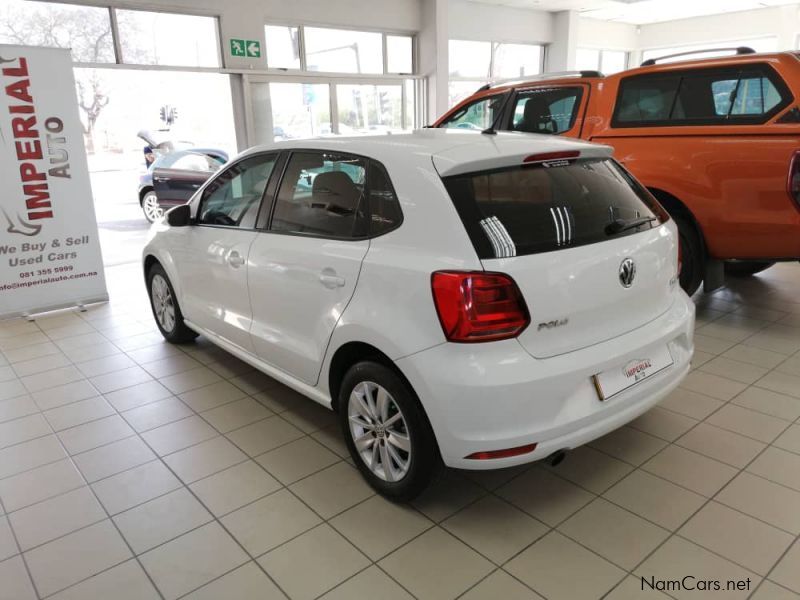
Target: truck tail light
(476,306)
(793,181)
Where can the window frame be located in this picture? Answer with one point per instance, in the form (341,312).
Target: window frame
(265,217)
(748,69)
(601,51)
(303,70)
(201,193)
(492,78)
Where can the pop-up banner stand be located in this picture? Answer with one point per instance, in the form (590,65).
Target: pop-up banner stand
(49,247)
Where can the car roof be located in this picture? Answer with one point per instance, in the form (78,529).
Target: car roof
(452,150)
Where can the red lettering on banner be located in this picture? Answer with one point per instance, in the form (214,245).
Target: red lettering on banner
(27,141)
(19,90)
(20,71)
(29,150)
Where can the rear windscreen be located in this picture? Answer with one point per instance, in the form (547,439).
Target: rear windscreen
(549,206)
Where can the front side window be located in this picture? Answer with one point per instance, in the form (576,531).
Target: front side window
(736,95)
(545,207)
(234,197)
(322,195)
(546,110)
(476,116)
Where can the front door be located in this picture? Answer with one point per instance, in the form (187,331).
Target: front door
(303,269)
(212,255)
(176,183)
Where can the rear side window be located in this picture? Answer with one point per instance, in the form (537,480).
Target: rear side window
(732,96)
(322,195)
(477,116)
(546,110)
(543,207)
(384,208)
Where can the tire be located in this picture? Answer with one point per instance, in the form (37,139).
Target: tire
(166,311)
(407,443)
(692,255)
(151,208)
(745,268)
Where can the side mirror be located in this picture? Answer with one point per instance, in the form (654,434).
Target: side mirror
(180,216)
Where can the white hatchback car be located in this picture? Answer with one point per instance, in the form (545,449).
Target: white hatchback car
(482,300)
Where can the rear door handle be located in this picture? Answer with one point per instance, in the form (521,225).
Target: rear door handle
(330,279)
(235,259)
(161,179)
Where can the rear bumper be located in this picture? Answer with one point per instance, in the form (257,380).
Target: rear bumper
(493,396)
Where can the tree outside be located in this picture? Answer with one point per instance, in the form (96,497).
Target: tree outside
(85,30)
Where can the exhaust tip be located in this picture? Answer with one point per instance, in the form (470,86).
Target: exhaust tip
(556,457)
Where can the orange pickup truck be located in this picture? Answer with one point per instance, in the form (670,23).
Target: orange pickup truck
(715,140)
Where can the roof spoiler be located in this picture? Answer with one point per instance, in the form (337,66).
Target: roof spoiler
(739,50)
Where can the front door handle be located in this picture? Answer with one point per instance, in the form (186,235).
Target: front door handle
(330,279)
(235,259)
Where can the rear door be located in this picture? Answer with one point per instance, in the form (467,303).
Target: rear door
(303,270)
(551,109)
(587,246)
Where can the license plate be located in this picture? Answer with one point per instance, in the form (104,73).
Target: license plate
(612,382)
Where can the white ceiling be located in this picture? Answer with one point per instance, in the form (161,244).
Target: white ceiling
(640,12)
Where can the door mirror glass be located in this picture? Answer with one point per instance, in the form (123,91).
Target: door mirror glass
(180,216)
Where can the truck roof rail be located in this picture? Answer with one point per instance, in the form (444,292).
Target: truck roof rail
(740,50)
(542,76)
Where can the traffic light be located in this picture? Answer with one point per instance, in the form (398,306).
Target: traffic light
(169,114)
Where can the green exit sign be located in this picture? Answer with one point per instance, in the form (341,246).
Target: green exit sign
(246,48)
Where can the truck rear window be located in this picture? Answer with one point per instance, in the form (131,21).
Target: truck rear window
(543,207)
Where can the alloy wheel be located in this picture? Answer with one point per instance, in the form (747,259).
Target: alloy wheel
(379,431)
(152,210)
(163,305)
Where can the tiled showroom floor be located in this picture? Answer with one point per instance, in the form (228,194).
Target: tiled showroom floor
(132,469)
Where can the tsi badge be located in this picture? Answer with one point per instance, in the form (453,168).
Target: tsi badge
(627,272)
(637,369)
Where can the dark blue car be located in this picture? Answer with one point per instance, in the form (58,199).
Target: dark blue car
(174,177)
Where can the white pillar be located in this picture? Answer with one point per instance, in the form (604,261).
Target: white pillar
(561,52)
(433,58)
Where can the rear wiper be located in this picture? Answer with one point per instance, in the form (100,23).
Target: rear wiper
(620,225)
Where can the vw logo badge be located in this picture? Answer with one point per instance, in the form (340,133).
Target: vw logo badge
(627,272)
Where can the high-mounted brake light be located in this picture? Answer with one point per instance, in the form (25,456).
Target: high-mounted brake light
(477,306)
(546,156)
(793,180)
(506,453)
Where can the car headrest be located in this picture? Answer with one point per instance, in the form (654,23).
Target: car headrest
(337,189)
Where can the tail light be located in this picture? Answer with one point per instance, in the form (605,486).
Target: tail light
(478,306)
(793,181)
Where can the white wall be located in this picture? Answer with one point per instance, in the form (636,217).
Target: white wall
(780,21)
(593,33)
(486,22)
